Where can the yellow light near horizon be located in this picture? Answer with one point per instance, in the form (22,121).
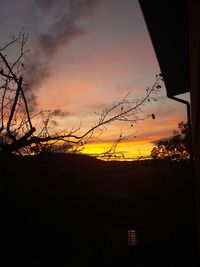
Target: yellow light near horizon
(130,150)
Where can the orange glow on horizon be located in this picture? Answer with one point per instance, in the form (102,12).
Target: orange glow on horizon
(129,150)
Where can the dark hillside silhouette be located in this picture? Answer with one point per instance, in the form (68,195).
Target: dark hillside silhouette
(74,210)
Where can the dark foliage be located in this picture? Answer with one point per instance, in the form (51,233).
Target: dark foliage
(176,148)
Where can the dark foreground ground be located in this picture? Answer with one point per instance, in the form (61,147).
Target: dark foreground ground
(72,210)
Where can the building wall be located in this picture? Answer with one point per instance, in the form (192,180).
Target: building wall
(194,42)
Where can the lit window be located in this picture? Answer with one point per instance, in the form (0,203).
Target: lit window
(132,237)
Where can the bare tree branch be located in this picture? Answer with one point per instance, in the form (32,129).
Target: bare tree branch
(17,130)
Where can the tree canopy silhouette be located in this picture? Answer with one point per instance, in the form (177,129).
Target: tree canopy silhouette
(176,148)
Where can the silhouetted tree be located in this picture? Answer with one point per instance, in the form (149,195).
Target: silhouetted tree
(176,148)
(18,134)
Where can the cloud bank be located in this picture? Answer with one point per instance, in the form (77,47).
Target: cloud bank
(55,24)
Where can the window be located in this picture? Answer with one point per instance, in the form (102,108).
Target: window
(132,237)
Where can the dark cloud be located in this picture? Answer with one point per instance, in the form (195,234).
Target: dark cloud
(46,4)
(164,139)
(31,99)
(50,43)
(37,70)
(59,113)
(54,123)
(63,17)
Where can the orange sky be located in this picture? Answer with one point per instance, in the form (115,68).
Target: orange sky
(111,56)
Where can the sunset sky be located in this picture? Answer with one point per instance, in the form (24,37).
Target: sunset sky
(85,54)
